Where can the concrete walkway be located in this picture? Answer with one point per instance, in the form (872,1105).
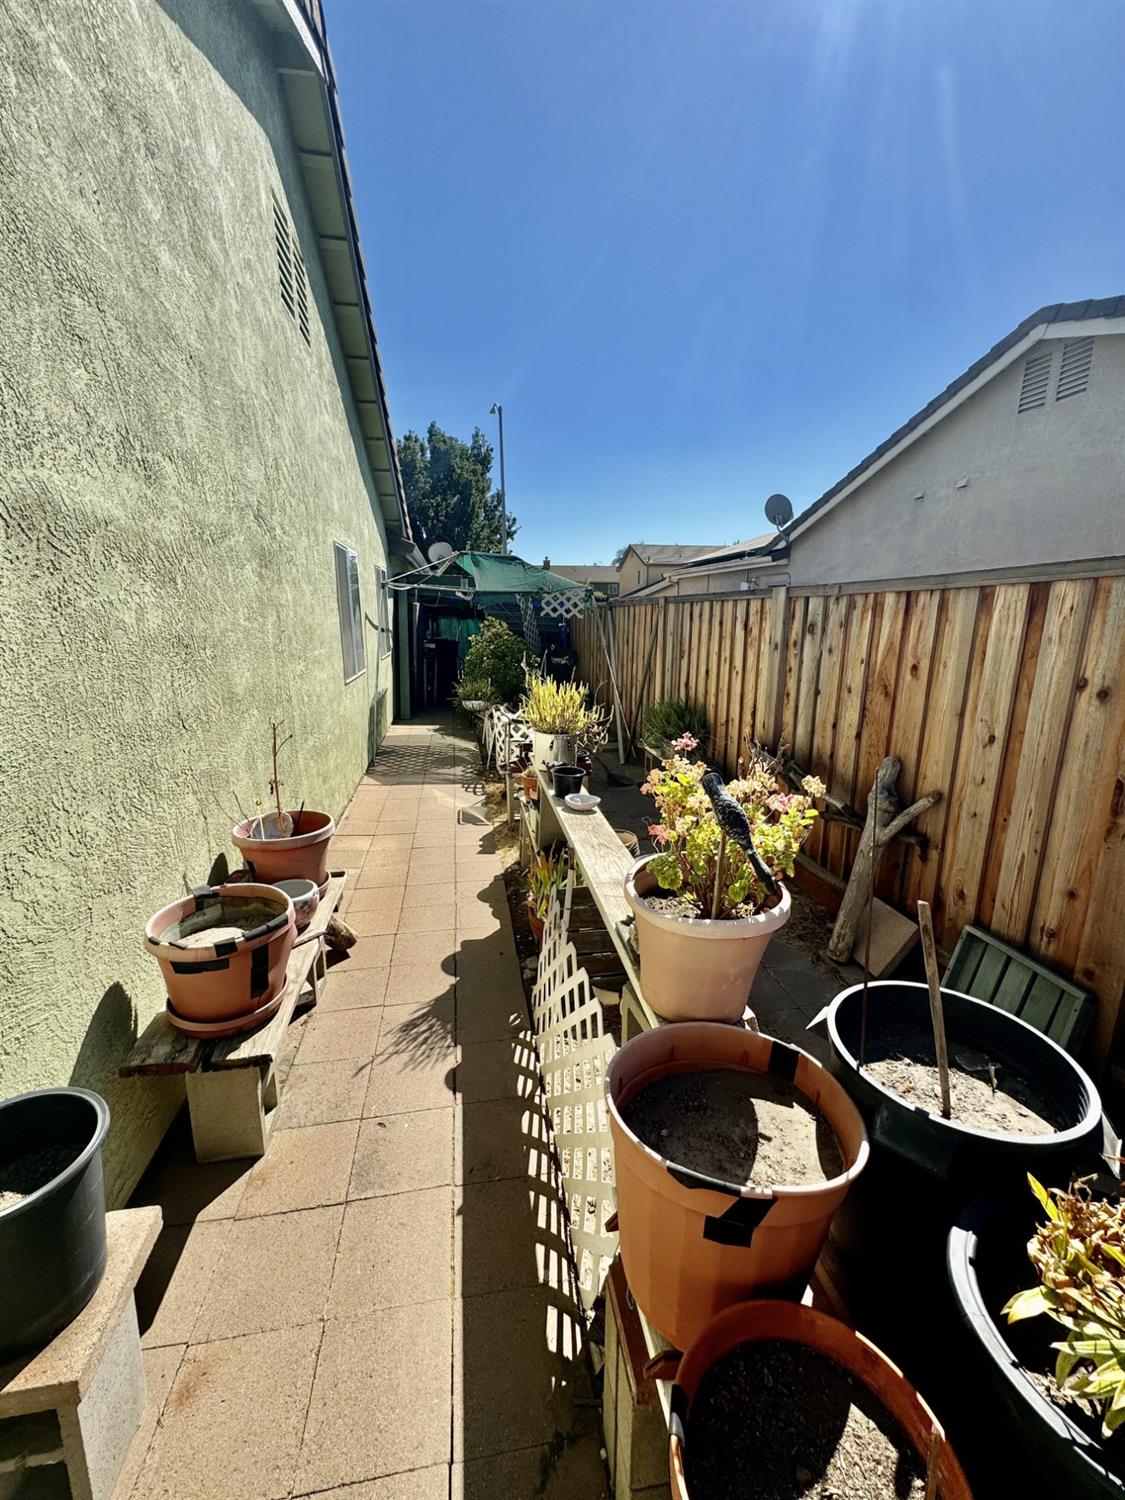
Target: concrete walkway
(380,1308)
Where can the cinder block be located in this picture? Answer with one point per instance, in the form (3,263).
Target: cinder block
(633,1419)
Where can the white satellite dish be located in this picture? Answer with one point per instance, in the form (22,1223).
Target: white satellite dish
(439,552)
(779,511)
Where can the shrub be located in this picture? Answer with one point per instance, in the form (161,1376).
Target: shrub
(495,656)
(669,718)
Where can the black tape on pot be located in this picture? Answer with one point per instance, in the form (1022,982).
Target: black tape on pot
(783,1061)
(677,1418)
(209,966)
(737,1225)
(260,970)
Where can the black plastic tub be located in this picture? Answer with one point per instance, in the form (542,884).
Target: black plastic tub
(52,1241)
(567,779)
(987,1262)
(924,1170)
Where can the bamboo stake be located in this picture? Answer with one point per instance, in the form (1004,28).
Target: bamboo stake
(613,683)
(867,960)
(644,683)
(937,1017)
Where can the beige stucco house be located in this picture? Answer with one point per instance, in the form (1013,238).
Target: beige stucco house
(199,489)
(643,563)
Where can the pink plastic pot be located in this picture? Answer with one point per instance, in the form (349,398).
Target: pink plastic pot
(304,856)
(231,977)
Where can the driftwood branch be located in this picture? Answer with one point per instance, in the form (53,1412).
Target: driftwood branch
(885,821)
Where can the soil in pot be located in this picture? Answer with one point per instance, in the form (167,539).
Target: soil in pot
(219,922)
(27,1174)
(753,1129)
(984,1094)
(776,1420)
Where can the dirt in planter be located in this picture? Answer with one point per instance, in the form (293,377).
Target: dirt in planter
(688,909)
(902,1060)
(775,1420)
(742,1127)
(24,1176)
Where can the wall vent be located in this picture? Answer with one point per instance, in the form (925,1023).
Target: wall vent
(1074,372)
(291,274)
(1036,379)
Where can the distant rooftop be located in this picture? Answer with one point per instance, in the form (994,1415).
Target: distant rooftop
(651,552)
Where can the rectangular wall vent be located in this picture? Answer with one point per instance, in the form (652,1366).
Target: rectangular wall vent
(1074,372)
(291,273)
(1036,379)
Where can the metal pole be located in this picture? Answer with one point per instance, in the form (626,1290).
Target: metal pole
(498,413)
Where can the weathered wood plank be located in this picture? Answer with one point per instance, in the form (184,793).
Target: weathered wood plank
(795,640)
(808,677)
(908,720)
(727,615)
(825,716)
(160,1048)
(772,668)
(861,620)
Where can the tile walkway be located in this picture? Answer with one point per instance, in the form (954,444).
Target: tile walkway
(379,1309)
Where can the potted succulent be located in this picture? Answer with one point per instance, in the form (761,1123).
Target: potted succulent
(731,1153)
(474,694)
(667,720)
(560,721)
(707,903)
(286,845)
(546,875)
(1060,1401)
(52,1212)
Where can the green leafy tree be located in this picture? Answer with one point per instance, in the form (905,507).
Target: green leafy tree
(449,491)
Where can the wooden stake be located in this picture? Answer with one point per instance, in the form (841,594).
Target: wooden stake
(937,1017)
(636,729)
(613,683)
(932,1465)
(719,874)
(867,962)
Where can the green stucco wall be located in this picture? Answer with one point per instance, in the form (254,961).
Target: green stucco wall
(175,465)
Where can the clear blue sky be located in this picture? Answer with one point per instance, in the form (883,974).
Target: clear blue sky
(705,251)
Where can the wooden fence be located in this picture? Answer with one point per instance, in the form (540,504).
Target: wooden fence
(1008,698)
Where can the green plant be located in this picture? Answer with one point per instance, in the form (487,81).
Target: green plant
(668,719)
(1079,1257)
(688,837)
(495,657)
(546,874)
(474,690)
(552,707)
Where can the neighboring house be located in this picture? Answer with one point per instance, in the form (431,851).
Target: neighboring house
(200,489)
(642,563)
(602,579)
(1016,470)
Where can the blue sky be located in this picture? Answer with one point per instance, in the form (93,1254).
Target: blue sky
(705,251)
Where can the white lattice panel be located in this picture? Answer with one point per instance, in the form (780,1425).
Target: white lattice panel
(568,604)
(574,1053)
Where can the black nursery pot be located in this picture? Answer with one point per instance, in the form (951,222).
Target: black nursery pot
(567,779)
(52,1243)
(987,1262)
(923,1170)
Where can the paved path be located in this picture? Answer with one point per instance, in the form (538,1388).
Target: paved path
(379,1309)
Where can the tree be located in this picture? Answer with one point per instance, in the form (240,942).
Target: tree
(449,491)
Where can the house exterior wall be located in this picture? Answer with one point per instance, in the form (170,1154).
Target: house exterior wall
(175,466)
(1044,487)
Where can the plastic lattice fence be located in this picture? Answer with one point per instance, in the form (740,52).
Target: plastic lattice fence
(567,605)
(574,1053)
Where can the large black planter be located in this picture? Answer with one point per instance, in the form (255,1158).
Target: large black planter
(987,1263)
(923,1170)
(52,1244)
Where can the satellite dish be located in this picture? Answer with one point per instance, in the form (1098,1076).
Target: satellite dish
(439,552)
(779,511)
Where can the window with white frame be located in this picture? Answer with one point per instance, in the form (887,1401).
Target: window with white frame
(383,594)
(351,612)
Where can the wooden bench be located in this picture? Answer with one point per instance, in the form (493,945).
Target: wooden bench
(232,1086)
(69,1412)
(987,969)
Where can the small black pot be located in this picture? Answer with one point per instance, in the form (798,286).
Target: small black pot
(52,1244)
(567,779)
(987,1262)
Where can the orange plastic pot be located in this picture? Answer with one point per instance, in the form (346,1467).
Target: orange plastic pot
(695,969)
(304,856)
(751,1322)
(230,978)
(690,1244)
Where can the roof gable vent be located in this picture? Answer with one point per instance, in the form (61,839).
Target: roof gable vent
(1074,372)
(1036,379)
(291,274)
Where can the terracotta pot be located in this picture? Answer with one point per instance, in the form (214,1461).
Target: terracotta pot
(530,785)
(304,856)
(693,969)
(548,750)
(751,1322)
(234,976)
(691,1244)
(536,922)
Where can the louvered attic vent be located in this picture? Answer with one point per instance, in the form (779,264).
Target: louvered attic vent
(291,275)
(1074,372)
(1036,379)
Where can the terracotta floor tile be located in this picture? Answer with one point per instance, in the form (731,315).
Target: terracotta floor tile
(383,922)
(377,898)
(322,1093)
(502,1138)
(396,826)
(367,953)
(533,1249)
(431,838)
(352,989)
(388,843)
(176,1280)
(344,844)
(232,1423)
(403,1153)
(485,1015)
(389,869)
(479,920)
(415,1068)
(518,1370)
(425,948)
(570,1471)
(422,914)
(417,984)
(505,1069)
(274,1273)
(304,1168)
(187,1190)
(160,1371)
(418,1484)
(359,825)
(393,1250)
(381,1399)
(334,1034)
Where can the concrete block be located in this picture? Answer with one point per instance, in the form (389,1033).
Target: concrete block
(232,1112)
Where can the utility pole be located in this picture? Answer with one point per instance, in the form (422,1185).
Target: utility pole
(497,411)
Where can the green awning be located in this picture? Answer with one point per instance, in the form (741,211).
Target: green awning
(494,573)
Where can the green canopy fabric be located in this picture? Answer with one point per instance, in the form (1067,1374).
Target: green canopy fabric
(493,573)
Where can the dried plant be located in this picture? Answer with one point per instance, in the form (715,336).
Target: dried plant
(546,875)
(552,707)
(1079,1256)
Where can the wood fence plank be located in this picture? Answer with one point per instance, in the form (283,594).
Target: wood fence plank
(808,678)
(857,654)
(1048,718)
(772,674)
(978,776)
(833,641)
(752,654)
(908,720)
